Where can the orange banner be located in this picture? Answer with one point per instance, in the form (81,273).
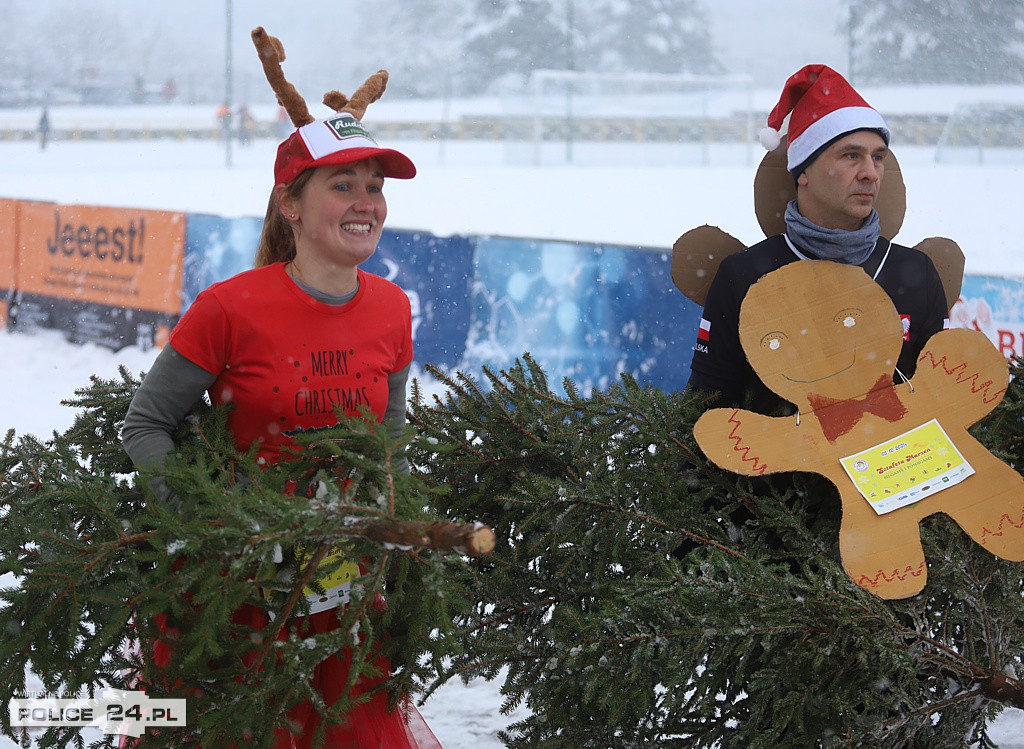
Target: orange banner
(119,257)
(8,253)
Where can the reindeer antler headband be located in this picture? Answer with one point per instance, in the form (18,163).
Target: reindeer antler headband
(340,139)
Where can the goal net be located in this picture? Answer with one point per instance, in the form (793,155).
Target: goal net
(983,132)
(578,118)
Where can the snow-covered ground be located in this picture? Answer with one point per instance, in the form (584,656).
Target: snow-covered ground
(624,195)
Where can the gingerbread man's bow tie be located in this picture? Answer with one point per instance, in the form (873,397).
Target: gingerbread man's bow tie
(837,417)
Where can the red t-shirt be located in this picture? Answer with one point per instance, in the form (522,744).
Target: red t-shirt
(284,360)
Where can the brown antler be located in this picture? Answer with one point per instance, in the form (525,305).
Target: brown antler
(369,92)
(271,53)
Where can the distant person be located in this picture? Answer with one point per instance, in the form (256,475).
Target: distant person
(170,90)
(284,123)
(246,125)
(139,90)
(224,120)
(835,151)
(44,128)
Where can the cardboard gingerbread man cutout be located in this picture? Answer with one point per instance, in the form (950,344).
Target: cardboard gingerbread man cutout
(826,337)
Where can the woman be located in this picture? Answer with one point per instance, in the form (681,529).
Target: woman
(286,342)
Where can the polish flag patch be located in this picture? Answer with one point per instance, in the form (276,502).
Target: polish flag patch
(704,331)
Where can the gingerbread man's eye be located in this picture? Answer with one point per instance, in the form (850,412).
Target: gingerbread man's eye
(773,341)
(849,317)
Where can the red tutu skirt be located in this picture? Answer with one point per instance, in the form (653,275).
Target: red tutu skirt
(368,725)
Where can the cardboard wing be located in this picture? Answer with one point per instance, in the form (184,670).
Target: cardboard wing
(695,259)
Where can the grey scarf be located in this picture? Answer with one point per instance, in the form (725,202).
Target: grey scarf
(850,247)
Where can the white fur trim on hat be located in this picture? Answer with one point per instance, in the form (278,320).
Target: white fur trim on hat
(831,126)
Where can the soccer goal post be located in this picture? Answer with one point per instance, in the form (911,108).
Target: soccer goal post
(983,132)
(683,116)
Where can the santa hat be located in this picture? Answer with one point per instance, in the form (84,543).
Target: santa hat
(824,107)
(340,139)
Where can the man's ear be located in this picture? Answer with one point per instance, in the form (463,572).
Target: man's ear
(801,180)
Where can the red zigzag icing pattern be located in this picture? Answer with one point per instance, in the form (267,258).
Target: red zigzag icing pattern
(1004,520)
(873,582)
(745,450)
(959,370)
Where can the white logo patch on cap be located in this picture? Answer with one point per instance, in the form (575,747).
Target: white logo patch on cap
(338,133)
(346,125)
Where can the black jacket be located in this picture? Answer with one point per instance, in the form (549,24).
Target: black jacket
(719,364)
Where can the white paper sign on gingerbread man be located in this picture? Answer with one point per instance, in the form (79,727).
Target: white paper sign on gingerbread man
(826,337)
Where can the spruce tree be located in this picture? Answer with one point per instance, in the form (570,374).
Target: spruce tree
(638,596)
(95,561)
(642,597)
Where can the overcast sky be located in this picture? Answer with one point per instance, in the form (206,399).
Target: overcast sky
(768,40)
(772,40)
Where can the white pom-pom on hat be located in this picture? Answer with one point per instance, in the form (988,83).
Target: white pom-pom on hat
(770,138)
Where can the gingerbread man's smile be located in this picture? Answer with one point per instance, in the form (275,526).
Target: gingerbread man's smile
(819,379)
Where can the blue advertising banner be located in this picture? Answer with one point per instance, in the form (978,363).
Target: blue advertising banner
(586,312)
(437,275)
(995,306)
(216,248)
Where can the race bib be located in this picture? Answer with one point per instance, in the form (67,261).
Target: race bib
(336,585)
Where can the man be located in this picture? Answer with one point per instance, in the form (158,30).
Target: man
(835,152)
(44,128)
